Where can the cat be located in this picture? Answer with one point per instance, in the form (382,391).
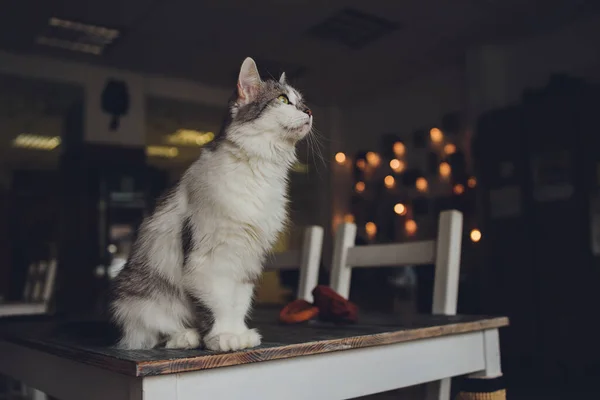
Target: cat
(190,277)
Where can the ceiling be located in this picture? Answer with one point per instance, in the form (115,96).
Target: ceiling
(207,42)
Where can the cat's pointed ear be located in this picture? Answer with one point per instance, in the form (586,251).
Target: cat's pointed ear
(282,78)
(248,81)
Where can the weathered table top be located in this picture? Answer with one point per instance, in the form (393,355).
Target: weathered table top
(92,342)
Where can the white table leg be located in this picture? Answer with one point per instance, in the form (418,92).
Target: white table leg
(488,381)
(439,390)
(491,342)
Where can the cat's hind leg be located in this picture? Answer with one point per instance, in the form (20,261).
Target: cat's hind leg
(145,321)
(138,338)
(131,315)
(175,322)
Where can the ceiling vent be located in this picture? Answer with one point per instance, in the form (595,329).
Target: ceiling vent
(77,36)
(352,28)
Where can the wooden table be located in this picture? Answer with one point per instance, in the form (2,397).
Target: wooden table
(75,360)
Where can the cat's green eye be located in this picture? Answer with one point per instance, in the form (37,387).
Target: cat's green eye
(284,99)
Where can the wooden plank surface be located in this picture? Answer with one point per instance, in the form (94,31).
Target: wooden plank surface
(91,342)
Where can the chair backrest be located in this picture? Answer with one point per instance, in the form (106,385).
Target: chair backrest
(307,259)
(444,252)
(39,286)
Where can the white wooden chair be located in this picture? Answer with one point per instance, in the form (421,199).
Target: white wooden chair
(37,293)
(444,252)
(307,260)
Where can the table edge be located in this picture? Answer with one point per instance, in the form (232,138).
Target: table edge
(207,362)
(142,369)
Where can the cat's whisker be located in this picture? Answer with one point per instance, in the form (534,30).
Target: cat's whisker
(321,136)
(314,150)
(317,148)
(311,154)
(318,134)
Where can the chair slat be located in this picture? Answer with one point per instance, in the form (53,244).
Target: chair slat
(394,254)
(444,252)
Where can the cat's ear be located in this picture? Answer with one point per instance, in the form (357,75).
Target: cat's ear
(248,81)
(282,78)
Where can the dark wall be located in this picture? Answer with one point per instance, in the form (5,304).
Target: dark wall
(538,174)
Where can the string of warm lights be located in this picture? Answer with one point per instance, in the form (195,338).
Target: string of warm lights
(372,161)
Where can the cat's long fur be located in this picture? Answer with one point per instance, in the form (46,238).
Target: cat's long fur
(204,245)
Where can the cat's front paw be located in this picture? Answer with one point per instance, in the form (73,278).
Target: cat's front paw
(232,342)
(187,339)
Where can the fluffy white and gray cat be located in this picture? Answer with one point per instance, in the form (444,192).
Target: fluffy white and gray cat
(204,245)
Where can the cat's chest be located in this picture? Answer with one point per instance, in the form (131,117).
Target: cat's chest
(240,194)
(265,202)
(252,197)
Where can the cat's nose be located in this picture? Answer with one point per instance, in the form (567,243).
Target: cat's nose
(308,111)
